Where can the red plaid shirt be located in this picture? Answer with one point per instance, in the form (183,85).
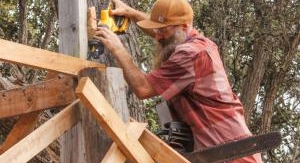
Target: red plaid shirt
(194,81)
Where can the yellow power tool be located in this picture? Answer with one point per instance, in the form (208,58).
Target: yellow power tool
(117,24)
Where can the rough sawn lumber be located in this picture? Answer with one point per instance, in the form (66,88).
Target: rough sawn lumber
(39,58)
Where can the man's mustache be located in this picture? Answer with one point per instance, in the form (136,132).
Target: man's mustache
(165,42)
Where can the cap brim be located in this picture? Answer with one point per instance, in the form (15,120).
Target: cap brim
(148,24)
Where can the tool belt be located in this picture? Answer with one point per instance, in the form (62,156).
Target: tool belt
(178,135)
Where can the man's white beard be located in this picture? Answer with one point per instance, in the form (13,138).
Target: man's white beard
(164,48)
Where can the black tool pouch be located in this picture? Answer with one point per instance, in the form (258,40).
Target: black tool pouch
(178,135)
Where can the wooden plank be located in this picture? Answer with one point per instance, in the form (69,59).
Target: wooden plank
(111,122)
(159,150)
(39,139)
(26,122)
(39,58)
(22,128)
(114,154)
(47,94)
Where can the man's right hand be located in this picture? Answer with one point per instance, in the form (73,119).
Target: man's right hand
(121,9)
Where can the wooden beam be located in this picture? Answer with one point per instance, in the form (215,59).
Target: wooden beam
(114,154)
(159,150)
(47,94)
(39,58)
(39,139)
(111,122)
(22,128)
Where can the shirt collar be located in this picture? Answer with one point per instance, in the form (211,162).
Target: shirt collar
(192,34)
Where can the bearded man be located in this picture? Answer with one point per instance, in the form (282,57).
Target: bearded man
(188,73)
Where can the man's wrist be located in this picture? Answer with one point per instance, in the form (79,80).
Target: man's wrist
(118,51)
(121,55)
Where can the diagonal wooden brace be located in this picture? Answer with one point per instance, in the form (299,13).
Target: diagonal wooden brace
(158,149)
(39,58)
(22,128)
(114,154)
(39,139)
(110,121)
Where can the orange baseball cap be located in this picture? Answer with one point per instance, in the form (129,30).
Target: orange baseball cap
(168,12)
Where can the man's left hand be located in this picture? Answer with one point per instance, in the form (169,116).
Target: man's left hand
(110,40)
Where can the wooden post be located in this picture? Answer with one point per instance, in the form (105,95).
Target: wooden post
(86,142)
(73,41)
(73,27)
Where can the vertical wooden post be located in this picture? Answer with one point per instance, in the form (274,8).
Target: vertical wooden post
(86,142)
(72,27)
(73,41)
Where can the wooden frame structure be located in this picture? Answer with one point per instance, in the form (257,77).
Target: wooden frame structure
(131,140)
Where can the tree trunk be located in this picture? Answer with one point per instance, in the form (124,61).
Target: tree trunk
(253,79)
(277,78)
(49,25)
(23,32)
(268,103)
(257,67)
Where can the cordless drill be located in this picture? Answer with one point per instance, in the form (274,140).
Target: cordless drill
(117,24)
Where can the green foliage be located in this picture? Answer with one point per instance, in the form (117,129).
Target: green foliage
(38,18)
(145,5)
(151,114)
(8,17)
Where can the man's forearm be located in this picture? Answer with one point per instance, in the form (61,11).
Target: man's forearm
(136,15)
(134,76)
(132,73)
